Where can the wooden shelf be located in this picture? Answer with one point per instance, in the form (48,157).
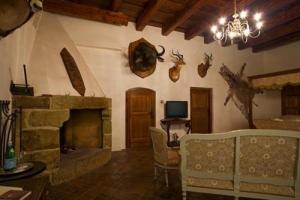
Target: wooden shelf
(167,123)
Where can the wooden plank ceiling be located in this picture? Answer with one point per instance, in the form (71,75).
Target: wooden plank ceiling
(192,17)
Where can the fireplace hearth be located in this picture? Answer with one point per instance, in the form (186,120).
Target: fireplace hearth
(71,134)
(82,130)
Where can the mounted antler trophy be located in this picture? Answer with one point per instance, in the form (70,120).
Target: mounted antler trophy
(174,72)
(15,13)
(143,56)
(203,67)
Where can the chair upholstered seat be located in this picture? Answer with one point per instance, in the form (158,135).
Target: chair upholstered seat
(173,157)
(267,189)
(209,183)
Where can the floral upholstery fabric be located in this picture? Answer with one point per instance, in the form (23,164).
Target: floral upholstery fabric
(267,189)
(211,156)
(162,153)
(272,157)
(159,142)
(209,183)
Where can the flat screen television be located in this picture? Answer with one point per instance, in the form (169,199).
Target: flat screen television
(176,109)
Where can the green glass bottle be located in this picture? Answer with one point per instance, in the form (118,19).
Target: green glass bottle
(10,161)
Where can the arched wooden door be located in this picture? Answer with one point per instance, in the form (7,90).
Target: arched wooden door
(140,114)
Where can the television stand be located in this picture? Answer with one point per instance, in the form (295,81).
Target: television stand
(167,123)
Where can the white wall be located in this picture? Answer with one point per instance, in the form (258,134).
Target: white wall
(15,50)
(103,47)
(282,58)
(48,73)
(279,59)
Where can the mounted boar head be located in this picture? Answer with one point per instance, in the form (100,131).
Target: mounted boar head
(143,56)
(240,90)
(174,72)
(203,67)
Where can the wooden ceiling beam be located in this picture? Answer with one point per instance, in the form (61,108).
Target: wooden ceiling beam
(282,17)
(287,39)
(68,8)
(116,5)
(151,9)
(204,26)
(273,34)
(189,10)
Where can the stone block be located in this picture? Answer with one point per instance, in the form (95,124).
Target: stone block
(106,114)
(107,126)
(61,102)
(40,138)
(107,141)
(39,118)
(78,102)
(50,157)
(31,102)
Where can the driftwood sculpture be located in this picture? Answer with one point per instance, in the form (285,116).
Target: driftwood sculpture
(15,13)
(203,67)
(73,71)
(240,90)
(143,56)
(174,72)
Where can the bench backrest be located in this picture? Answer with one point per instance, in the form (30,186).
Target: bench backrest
(248,156)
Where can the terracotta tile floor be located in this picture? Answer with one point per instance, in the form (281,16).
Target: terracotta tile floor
(128,176)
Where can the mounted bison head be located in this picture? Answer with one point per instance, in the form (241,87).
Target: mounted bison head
(143,57)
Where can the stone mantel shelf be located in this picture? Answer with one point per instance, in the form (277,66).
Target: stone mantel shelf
(61,102)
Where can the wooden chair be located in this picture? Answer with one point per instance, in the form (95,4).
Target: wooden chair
(165,157)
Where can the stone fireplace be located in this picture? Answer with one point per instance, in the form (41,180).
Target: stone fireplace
(71,134)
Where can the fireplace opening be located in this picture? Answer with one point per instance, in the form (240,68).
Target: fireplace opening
(82,131)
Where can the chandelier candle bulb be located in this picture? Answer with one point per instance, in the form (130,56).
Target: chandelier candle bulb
(222,20)
(219,35)
(257,16)
(244,14)
(214,29)
(259,25)
(246,32)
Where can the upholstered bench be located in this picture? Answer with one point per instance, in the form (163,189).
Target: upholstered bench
(246,163)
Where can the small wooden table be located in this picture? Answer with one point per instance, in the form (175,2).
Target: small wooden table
(37,186)
(38,167)
(167,123)
(26,180)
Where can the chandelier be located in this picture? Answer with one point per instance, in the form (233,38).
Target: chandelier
(238,27)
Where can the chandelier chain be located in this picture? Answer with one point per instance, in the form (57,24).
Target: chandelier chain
(235,8)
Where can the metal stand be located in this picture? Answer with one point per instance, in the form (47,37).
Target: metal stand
(7,128)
